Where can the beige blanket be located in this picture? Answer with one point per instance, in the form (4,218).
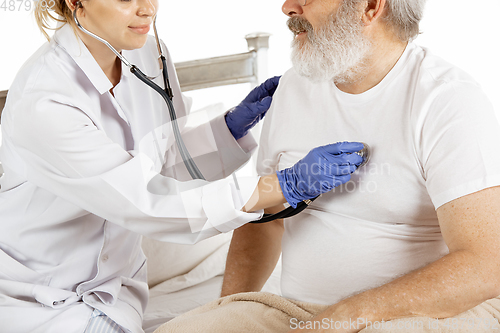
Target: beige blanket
(269,313)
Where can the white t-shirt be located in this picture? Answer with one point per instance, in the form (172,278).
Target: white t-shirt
(433,136)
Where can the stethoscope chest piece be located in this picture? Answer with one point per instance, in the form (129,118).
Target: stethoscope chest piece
(365,154)
(290,211)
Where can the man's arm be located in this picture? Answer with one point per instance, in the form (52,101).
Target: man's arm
(461,280)
(254,251)
(266,195)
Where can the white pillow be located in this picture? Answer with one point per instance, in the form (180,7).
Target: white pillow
(168,260)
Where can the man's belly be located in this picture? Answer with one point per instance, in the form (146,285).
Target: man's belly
(327,258)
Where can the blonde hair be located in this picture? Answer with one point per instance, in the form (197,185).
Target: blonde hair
(43,15)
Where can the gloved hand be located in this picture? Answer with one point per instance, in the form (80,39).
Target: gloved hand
(322,169)
(252,109)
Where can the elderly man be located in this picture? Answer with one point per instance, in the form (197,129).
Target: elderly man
(412,242)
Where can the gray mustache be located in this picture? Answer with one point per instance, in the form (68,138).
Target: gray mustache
(299,24)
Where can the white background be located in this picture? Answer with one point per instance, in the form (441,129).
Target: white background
(464,32)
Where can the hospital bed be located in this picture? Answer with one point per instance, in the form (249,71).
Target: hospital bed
(182,277)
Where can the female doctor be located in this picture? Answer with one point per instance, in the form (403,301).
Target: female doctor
(91,164)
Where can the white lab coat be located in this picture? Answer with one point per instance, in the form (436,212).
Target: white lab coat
(86,174)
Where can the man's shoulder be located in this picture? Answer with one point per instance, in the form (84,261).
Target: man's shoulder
(442,91)
(435,70)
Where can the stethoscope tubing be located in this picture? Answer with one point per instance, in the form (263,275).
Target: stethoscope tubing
(186,157)
(285,213)
(166,93)
(78,5)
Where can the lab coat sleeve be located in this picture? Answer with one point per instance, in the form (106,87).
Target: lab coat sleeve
(66,154)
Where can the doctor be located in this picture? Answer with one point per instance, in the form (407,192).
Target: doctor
(91,165)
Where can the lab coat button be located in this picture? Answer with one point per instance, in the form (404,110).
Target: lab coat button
(105,258)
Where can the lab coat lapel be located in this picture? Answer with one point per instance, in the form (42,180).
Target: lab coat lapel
(65,37)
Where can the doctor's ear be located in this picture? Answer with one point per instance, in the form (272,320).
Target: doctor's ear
(73,4)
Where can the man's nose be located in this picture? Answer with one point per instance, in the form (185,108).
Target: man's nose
(292,8)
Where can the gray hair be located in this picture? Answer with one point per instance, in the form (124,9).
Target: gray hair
(404,17)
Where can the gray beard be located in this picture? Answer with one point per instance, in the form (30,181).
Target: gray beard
(336,52)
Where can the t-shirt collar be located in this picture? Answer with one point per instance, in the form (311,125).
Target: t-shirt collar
(374,91)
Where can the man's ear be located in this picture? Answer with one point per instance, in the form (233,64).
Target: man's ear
(373,11)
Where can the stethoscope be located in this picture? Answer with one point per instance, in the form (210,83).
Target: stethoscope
(290,211)
(166,93)
(168,96)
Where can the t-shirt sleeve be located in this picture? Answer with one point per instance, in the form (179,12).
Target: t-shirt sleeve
(458,139)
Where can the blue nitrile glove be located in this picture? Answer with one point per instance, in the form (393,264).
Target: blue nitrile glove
(252,109)
(322,169)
